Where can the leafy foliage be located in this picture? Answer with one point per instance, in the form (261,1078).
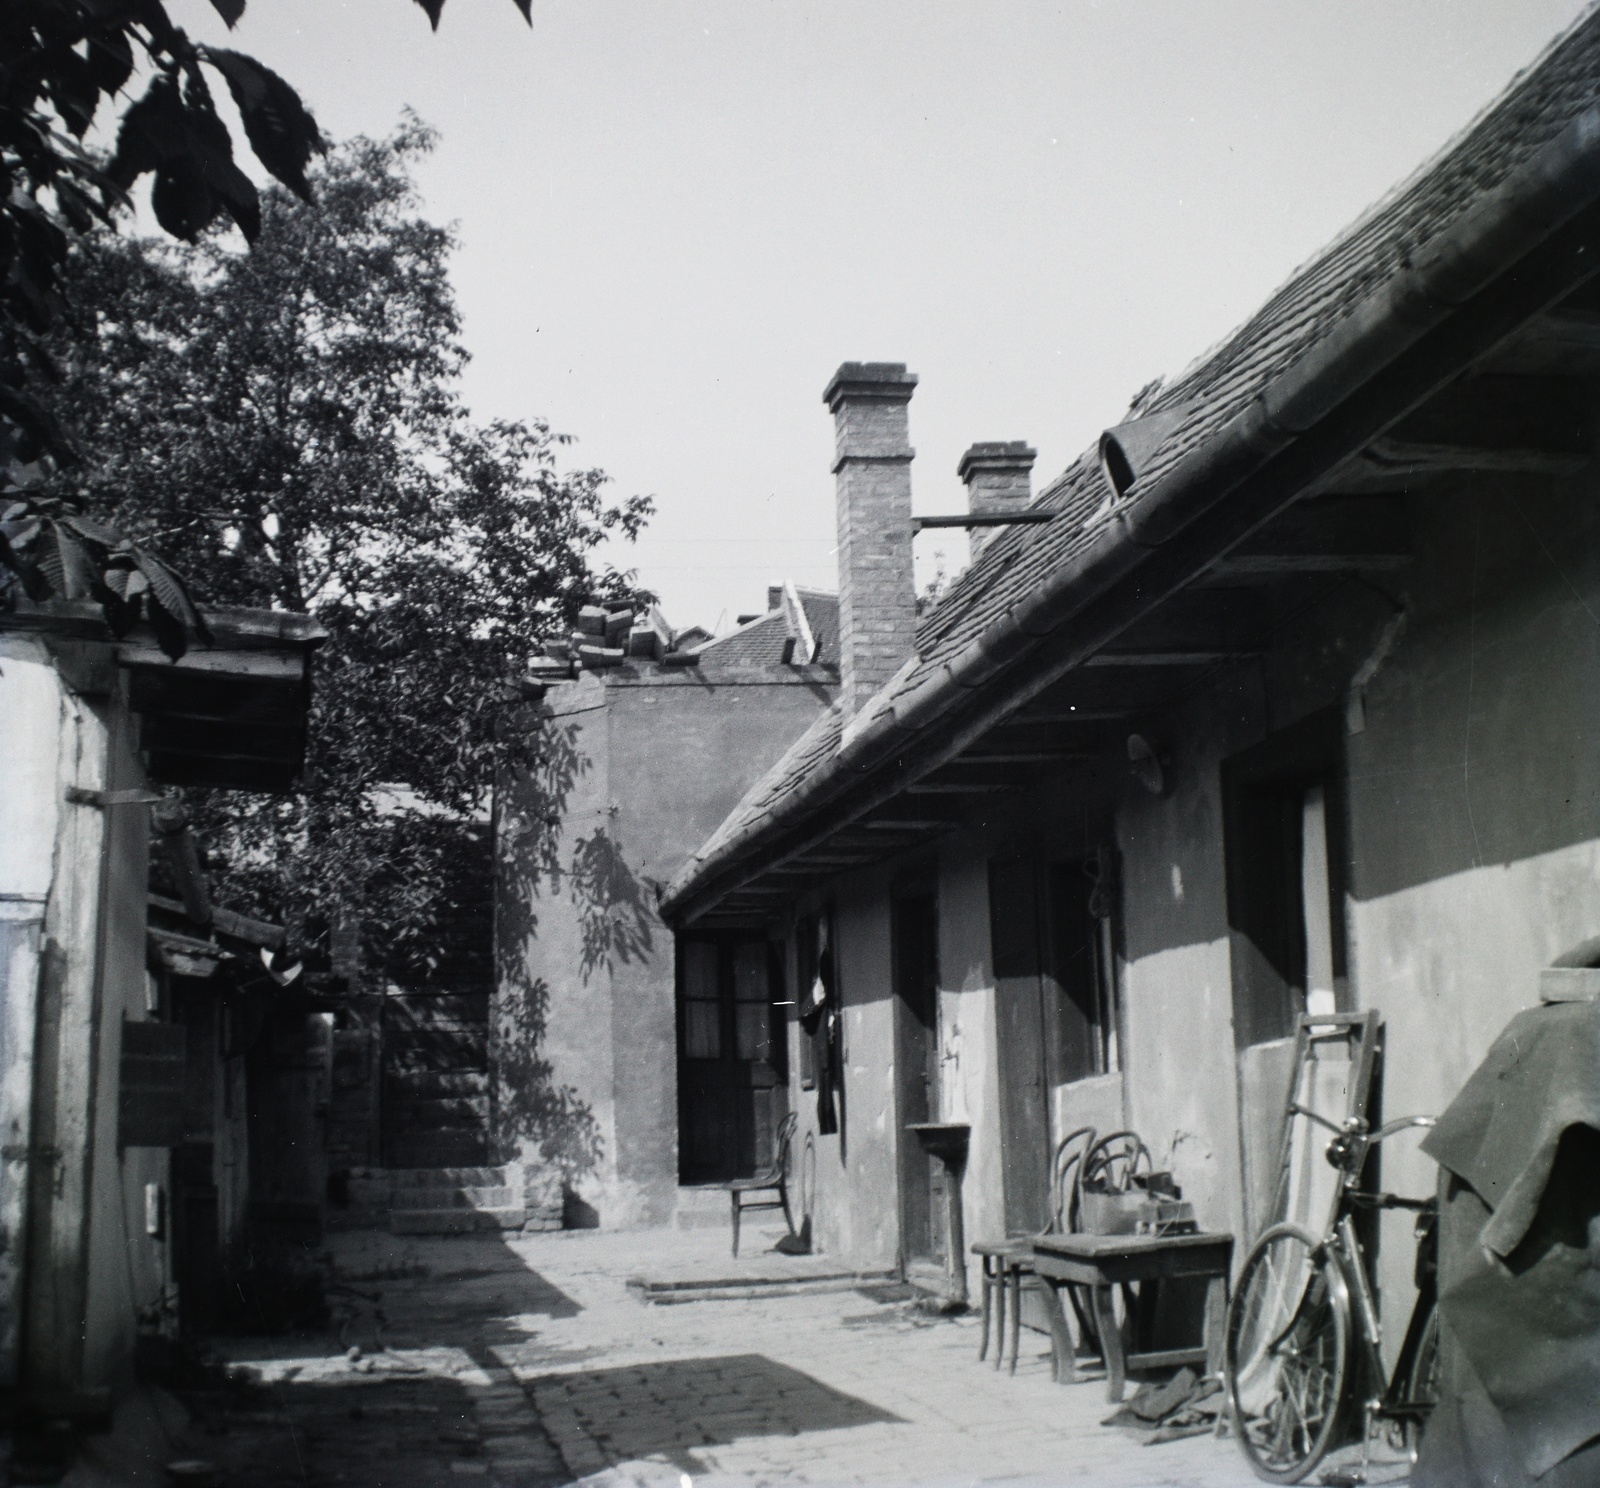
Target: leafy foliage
(59,61)
(285,422)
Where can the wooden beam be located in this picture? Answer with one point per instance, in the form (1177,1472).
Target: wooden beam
(955,788)
(1413,458)
(906,824)
(260,665)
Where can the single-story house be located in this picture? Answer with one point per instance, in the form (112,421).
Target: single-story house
(1283,697)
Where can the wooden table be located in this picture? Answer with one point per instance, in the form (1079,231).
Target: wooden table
(1100,1262)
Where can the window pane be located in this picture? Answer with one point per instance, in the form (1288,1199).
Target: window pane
(700,969)
(702,1037)
(753,1029)
(750,971)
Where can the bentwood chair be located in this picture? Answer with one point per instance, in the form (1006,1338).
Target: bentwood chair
(1008,1264)
(767,1190)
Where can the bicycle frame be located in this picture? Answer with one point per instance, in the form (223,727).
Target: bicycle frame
(1349,1151)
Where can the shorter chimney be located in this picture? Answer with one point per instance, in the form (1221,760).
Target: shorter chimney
(999,479)
(872,471)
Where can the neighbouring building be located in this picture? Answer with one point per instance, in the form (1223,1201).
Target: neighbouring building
(635,1064)
(1290,702)
(121,1082)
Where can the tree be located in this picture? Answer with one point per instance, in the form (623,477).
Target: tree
(285,423)
(59,59)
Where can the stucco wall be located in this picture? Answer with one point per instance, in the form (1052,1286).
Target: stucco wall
(73,877)
(129,1269)
(659,760)
(855,1214)
(30,697)
(1475,793)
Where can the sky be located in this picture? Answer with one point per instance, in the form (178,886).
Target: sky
(677,217)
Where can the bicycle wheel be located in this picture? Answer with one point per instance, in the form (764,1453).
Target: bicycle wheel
(1287,1354)
(1422,1389)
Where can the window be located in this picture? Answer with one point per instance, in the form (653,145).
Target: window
(1081,961)
(702,1000)
(752,1014)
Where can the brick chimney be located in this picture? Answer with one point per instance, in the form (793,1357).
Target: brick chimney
(999,478)
(872,468)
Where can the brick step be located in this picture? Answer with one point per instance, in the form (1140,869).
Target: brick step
(453,1221)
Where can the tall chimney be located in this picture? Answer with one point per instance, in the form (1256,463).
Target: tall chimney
(877,593)
(999,480)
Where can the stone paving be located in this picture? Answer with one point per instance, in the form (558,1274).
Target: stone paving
(544,1368)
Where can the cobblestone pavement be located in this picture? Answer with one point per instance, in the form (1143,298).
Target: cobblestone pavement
(527,1361)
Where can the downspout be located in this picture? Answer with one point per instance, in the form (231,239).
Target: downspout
(1523,213)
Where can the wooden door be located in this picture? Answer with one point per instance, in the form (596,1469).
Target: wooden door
(915,931)
(732,1057)
(1020,1040)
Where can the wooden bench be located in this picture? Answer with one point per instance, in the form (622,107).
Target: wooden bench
(1101,1262)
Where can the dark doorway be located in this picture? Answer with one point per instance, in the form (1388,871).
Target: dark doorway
(1283,805)
(289,1076)
(732,1056)
(915,929)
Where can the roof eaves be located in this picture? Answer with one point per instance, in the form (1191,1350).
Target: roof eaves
(1483,243)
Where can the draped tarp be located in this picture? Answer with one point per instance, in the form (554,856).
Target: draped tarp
(1519,1262)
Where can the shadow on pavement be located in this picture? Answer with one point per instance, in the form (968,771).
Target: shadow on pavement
(664,1409)
(392,1393)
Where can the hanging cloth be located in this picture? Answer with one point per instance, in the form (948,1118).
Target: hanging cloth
(819,1018)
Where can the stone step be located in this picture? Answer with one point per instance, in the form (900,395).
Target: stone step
(484,1197)
(404,1178)
(702,1209)
(453,1221)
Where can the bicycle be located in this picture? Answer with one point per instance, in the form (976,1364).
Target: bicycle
(1290,1369)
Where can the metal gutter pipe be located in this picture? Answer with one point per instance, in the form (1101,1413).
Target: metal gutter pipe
(1482,251)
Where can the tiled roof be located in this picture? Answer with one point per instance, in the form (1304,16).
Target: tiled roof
(761,641)
(1317,299)
(758,643)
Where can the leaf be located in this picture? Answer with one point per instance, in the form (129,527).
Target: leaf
(168,595)
(78,577)
(434,8)
(87,527)
(73,90)
(229,10)
(171,636)
(110,57)
(151,132)
(279,126)
(187,146)
(526,7)
(183,203)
